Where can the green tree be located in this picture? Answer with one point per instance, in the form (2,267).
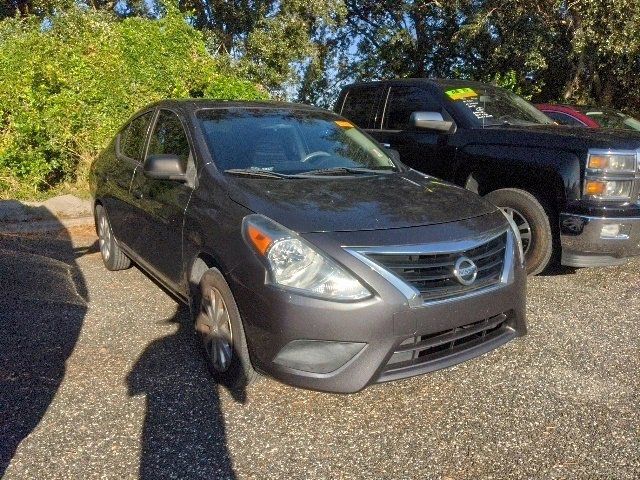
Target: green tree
(67,84)
(582,50)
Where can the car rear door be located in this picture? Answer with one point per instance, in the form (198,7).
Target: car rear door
(118,172)
(161,204)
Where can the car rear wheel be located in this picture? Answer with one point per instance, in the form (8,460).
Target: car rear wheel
(532,221)
(220,328)
(112,255)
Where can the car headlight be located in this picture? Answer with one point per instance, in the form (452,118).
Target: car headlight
(610,174)
(294,263)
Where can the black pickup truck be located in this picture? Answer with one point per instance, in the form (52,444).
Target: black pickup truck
(574,193)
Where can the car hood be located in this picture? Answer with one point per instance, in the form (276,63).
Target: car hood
(562,137)
(352,203)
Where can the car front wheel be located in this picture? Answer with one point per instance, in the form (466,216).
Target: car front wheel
(220,328)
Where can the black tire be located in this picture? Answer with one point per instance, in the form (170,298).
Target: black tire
(539,248)
(112,255)
(239,373)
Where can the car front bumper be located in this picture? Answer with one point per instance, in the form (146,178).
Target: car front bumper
(344,347)
(596,241)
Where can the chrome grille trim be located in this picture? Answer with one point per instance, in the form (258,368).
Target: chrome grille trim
(371,257)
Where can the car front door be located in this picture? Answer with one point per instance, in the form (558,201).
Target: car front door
(428,151)
(161,204)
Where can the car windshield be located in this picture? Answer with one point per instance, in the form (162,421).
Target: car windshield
(492,106)
(613,119)
(269,142)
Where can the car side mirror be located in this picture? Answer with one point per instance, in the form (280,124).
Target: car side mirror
(430,121)
(166,166)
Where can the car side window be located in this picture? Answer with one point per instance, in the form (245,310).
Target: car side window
(134,135)
(403,101)
(169,137)
(361,105)
(565,119)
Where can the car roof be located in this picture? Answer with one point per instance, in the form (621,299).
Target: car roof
(192,104)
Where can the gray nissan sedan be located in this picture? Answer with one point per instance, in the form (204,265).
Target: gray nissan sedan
(306,250)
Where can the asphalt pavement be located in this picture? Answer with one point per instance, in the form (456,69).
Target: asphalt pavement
(100,377)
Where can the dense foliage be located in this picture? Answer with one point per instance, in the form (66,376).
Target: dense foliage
(551,50)
(57,62)
(584,51)
(68,82)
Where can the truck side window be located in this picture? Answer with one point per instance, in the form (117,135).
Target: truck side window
(361,105)
(133,137)
(403,101)
(169,137)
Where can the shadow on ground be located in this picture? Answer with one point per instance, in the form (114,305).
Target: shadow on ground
(43,306)
(184,432)
(43,302)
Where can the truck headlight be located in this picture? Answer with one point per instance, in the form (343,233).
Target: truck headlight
(612,162)
(610,174)
(608,189)
(294,263)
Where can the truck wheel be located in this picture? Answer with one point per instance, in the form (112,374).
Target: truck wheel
(532,221)
(112,255)
(220,328)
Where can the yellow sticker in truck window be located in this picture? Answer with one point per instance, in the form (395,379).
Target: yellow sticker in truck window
(344,124)
(461,93)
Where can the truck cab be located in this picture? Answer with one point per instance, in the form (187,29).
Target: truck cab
(574,193)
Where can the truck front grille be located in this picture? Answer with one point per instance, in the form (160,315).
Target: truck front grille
(433,274)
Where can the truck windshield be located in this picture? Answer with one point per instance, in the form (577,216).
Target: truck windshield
(492,106)
(287,141)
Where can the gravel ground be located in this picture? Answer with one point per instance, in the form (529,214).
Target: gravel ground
(100,378)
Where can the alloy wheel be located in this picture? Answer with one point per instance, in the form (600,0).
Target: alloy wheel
(219,339)
(104,236)
(523,226)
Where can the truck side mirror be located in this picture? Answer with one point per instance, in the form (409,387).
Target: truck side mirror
(430,121)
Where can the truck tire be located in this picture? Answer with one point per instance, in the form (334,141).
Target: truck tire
(219,326)
(112,255)
(533,222)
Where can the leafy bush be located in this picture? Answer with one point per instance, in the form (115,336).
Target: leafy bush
(68,83)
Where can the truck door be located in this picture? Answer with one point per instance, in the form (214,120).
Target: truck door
(425,150)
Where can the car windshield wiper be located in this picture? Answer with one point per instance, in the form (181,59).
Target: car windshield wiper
(252,172)
(345,171)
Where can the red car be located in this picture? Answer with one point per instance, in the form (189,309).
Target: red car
(589,117)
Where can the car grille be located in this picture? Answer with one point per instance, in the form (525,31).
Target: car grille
(441,349)
(432,274)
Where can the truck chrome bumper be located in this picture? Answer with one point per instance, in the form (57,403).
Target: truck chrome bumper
(596,241)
